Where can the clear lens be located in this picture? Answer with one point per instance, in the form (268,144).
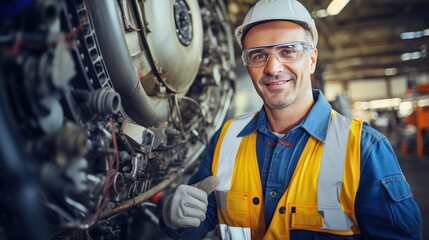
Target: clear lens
(285,53)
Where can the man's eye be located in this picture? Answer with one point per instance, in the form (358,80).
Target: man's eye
(258,56)
(288,51)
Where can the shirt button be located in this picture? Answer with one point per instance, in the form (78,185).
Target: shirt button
(255,200)
(282,210)
(273,193)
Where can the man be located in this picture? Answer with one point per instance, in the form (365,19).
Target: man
(296,169)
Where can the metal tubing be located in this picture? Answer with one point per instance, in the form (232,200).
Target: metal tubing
(138,105)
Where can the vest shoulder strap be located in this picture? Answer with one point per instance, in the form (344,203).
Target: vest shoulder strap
(331,174)
(229,148)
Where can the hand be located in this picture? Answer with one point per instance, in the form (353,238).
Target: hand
(187,206)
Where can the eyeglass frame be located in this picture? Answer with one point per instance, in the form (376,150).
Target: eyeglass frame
(306,48)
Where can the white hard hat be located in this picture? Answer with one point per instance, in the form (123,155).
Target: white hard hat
(269,10)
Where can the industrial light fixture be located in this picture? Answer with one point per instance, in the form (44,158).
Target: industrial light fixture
(390,71)
(415,34)
(379,104)
(336,6)
(413,55)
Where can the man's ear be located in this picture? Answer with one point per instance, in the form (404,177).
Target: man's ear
(313,60)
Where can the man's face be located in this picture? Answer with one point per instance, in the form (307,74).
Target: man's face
(281,84)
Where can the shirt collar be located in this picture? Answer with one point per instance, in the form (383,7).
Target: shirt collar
(316,123)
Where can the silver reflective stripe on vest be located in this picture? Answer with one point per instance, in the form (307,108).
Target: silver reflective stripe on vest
(234,233)
(221,199)
(229,149)
(226,163)
(331,175)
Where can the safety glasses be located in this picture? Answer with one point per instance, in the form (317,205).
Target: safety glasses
(285,52)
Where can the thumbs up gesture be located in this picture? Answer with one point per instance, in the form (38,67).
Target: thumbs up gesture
(187,206)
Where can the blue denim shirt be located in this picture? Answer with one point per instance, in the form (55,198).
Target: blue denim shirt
(384,207)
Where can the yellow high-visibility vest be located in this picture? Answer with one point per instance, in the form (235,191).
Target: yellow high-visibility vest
(320,196)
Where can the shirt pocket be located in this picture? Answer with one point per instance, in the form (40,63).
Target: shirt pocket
(405,212)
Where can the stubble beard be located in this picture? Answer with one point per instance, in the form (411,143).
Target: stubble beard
(281,98)
(283,101)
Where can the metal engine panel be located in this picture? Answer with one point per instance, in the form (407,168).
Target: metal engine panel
(105,106)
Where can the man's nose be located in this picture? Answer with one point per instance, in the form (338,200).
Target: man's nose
(273,65)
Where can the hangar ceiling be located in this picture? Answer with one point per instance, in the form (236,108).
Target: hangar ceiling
(363,42)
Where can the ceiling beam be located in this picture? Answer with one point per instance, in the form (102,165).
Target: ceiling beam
(369,73)
(397,47)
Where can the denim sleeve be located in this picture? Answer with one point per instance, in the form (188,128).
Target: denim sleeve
(384,207)
(211,215)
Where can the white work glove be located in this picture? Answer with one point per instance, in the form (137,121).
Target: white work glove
(187,206)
